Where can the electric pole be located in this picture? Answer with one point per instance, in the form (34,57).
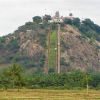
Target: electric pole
(58,49)
(47,52)
(49,32)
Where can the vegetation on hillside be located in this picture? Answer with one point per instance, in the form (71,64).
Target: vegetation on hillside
(36,33)
(87,27)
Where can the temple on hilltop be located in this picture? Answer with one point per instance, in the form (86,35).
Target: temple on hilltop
(59,19)
(56,18)
(57,15)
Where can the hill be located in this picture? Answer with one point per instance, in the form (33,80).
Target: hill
(80,45)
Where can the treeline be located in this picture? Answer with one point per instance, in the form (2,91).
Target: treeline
(14,77)
(87,27)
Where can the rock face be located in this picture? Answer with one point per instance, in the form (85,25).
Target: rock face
(28,45)
(78,51)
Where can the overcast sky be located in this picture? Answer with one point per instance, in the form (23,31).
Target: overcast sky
(14,13)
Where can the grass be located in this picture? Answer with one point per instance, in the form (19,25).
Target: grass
(53,45)
(43,94)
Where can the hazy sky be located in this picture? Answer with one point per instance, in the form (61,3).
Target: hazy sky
(14,13)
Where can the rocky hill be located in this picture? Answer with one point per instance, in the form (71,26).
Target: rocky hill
(80,45)
(78,51)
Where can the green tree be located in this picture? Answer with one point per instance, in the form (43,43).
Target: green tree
(68,21)
(37,19)
(13,75)
(2,39)
(76,22)
(13,45)
(46,18)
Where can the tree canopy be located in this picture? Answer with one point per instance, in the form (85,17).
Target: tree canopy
(37,19)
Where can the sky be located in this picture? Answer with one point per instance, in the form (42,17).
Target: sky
(14,13)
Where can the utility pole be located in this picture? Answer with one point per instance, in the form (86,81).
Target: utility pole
(47,52)
(58,49)
(49,32)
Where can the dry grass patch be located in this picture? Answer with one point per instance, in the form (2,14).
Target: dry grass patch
(43,94)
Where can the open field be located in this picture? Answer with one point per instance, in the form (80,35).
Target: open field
(43,94)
